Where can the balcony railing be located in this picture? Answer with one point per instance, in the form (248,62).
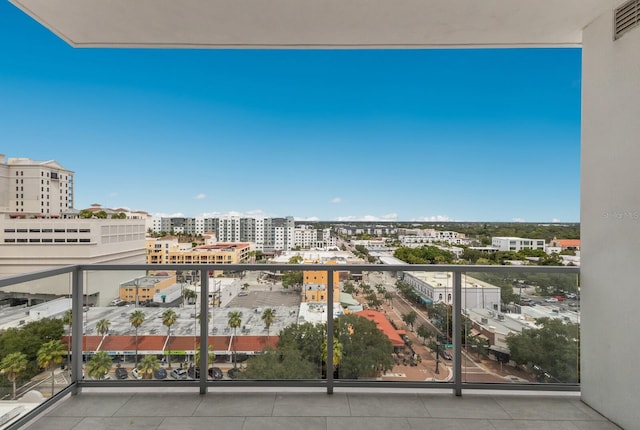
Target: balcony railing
(459,322)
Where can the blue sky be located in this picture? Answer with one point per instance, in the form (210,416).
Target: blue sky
(461,135)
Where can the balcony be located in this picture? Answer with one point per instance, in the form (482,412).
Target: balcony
(449,365)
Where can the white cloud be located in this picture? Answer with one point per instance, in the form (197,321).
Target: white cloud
(113,194)
(433,218)
(368,218)
(255,213)
(336,200)
(518,220)
(173,215)
(310,218)
(555,220)
(201,196)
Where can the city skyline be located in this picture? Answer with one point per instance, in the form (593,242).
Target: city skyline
(398,135)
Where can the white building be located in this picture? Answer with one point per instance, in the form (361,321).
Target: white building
(308,237)
(516,243)
(437,287)
(30,245)
(34,188)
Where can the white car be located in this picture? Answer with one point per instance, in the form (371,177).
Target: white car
(136,373)
(551,300)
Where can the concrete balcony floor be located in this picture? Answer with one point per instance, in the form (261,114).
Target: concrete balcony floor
(171,409)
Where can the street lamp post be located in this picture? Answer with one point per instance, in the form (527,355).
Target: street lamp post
(437,357)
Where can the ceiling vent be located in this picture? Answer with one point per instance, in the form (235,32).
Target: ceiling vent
(626,17)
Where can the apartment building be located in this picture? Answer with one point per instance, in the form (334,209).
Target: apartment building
(268,234)
(308,237)
(516,243)
(34,188)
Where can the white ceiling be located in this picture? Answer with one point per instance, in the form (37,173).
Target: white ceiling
(316,23)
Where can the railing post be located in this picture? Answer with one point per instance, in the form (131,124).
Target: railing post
(77,298)
(457,332)
(204,330)
(330,345)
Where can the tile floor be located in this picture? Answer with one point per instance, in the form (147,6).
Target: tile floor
(353,410)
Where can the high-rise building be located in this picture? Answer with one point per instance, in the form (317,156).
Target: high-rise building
(34,188)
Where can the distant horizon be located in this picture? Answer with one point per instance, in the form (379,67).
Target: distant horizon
(425,135)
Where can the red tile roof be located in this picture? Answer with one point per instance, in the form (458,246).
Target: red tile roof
(383,325)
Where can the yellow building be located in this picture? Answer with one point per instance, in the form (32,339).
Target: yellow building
(316,282)
(146,287)
(220,253)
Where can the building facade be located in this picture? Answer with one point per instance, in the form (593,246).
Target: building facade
(516,243)
(34,188)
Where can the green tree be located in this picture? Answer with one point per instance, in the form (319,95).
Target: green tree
(235,321)
(389,298)
(296,259)
(50,354)
(101,215)
(280,363)
(67,319)
(424,332)
(410,318)
(366,350)
(190,296)
(169,318)
(148,365)
(268,317)
(551,350)
(337,353)
(292,279)
(348,287)
(12,366)
(102,326)
(136,319)
(210,355)
(99,365)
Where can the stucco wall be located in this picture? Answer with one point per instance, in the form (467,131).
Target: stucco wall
(610,219)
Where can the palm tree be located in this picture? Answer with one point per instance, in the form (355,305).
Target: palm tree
(337,352)
(235,321)
(148,365)
(268,316)
(102,326)
(13,365)
(189,295)
(136,319)
(169,318)
(99,365)
(210,356)
(50,354)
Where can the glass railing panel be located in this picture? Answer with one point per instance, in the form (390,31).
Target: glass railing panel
(34,333)
(418,305)
(263,325)
(529,335)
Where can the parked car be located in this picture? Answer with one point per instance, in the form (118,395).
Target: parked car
(233,373)
(551,300)
(242,294)
(121,373)
(446,355)
(136,373)
(193,372)
(215,373)
(571,296)
(161,373)
(179,374)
